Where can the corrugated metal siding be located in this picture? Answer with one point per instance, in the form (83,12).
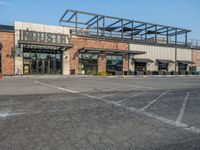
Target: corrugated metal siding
(153,53)
(184,54)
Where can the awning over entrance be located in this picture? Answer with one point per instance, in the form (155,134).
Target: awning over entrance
(109,51)
(164,61)
(36,45)
(142,60)
(186,62)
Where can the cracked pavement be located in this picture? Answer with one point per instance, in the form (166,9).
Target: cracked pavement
(91,113)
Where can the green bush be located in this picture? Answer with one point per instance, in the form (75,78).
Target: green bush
(102,74)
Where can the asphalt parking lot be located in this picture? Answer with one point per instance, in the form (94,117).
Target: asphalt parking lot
(93,113)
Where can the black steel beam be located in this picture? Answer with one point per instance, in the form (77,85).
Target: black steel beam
(61,19)
(139,26)
(168,30)
(98,19)
(74,22)
(114,23)
(92,14)
(177,32)
(72,16)
(91,20)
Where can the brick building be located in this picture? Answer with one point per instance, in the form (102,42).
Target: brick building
(99,45)
(7,50)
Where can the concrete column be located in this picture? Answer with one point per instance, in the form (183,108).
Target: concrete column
(125,63)
(65,59)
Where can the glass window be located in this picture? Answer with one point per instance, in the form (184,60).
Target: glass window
(162,66)
(114,64)
(88,64)
(26,55)
(182,67)
(139,66)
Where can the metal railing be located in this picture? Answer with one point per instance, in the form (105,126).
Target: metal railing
(127,38)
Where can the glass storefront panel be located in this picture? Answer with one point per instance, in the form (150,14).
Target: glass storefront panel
(88,64)
(140,66)
(114,64)
(163,66)
(42,62)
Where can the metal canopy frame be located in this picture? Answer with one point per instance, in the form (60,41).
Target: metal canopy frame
(102,26)
(109,51)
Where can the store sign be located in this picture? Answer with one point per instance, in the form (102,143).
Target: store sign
(43,37)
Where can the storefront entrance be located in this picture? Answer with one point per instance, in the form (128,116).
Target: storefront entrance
(42,62)
(88,64)
(114,65)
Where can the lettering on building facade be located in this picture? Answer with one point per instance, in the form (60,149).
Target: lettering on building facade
(44,37)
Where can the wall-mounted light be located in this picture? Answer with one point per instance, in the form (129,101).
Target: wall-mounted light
(66,57)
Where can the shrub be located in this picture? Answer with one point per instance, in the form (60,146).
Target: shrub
(102,74)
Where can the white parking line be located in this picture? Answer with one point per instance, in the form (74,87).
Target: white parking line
(116,92)
(135,110)
(117,84)
(138,94)
(181,113)
(57,87)
(153,101)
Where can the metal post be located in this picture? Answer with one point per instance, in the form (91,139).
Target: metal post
(145,32)
(98,26)
(167,35)
(176,37)
(156,34)
(122,27)
(186,42)
(132,30)
(175,50)
(76,20)
(103,26)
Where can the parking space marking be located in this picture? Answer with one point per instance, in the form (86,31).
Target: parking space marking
(153,101)
(135,110)
(181,113)
(125,99)
(104,96)
(117,84)
(57,87)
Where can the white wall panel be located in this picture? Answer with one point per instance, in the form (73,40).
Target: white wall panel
(153,53)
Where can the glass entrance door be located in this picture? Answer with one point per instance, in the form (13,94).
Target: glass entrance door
(42,62)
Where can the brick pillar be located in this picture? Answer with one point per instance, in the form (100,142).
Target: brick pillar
(102,63)
(125,63)
(7,39)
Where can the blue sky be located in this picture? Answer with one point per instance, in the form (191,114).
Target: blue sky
(180,13)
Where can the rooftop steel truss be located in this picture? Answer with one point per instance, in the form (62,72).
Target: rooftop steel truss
(101,26)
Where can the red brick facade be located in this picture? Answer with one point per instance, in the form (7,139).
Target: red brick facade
(94,43)
(196,57)
(7,40)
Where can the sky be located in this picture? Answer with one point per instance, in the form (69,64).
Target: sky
(178,13)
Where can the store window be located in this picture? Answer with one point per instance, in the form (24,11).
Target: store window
(42,62)
(114,64)
(88,64)
(163,66)
(182,67)
(140,66)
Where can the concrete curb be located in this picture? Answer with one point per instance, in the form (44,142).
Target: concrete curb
(87,76)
